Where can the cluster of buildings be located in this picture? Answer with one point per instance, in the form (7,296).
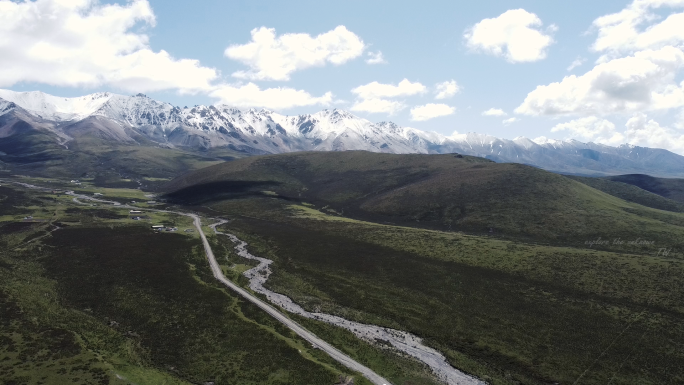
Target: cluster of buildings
(158,228)
(164,228)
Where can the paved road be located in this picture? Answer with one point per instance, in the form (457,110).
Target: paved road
(307,335)
(218,274)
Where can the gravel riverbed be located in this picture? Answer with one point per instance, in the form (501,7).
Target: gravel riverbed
(402,341)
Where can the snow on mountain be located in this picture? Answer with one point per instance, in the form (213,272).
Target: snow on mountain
(56,108)
(118,118)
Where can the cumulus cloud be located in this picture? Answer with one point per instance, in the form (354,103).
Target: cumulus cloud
(642,81)
(446,89)
(373,97)
(375,90)
(430,111)
(377,105)
(679,123)
(649,133)
(576,63)
(82,43)
(633,28)
(494,112)
(250,95)
(591,128)
(272,57)
(642,58)
(639,131)
(375,58)
(508,121)
(515,35)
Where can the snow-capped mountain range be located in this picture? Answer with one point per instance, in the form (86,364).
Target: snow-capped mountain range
(128,119)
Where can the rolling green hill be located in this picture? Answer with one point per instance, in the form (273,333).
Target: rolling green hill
(36,153)
(442,192)
(632,193)
(89,296)
(557,279)
(665,187)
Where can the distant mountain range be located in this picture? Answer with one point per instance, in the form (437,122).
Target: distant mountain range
(141,121)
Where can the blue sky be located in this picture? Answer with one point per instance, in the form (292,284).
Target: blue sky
(627,88)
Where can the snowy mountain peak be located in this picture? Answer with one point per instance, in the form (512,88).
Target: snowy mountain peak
(388,125)
(525,142)
(57,108)
(126,119)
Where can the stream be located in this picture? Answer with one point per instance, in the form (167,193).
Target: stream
(405,342)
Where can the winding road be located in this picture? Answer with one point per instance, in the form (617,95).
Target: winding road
(402,341)
(307,335)
(218,274)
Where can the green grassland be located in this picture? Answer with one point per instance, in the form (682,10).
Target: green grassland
(633,193)
(517,275)
(91,297)
(37,153)
(441,192)
(382,359)
(671,188)
(510,312)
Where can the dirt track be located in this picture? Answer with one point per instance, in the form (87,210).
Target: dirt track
(402,341)
(218,274)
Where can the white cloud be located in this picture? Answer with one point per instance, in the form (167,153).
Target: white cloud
(639,131)
(430,111)
(639,70)
(649,133)
(513,35)
(82,43)
(643,81)
(632,29)
(375,58)
(376,90)
(372,97)
(377,105)
(591,128)
(508,121)
(272,57)
(576,63)
(447,89)
(250,95)
(679,123)
(494,112)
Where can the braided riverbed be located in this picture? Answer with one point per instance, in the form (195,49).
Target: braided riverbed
(400,340)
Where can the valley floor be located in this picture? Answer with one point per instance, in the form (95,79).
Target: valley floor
(507,312)
(90,295)
(107,299)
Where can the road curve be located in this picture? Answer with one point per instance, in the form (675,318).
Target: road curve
(218,274)
(307,335)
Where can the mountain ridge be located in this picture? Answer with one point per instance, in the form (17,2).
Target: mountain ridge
(252,131)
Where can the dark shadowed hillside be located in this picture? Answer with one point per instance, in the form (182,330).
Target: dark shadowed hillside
(447,192)
(665,187)
(633,193)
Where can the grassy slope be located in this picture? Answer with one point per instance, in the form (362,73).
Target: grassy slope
(509,312)
(397,368)
(101,298)
(666,187)
(631,193)
(439,192)
(36,153)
